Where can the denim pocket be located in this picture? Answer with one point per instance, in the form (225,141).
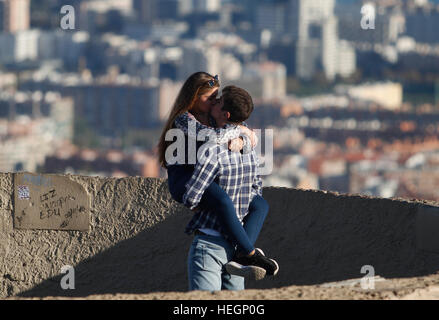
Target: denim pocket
(198,255)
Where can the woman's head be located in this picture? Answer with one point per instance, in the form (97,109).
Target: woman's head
(193,94)
(196,95)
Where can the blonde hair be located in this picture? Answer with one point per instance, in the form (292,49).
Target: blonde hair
(194,87)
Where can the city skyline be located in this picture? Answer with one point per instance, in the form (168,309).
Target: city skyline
(338,96)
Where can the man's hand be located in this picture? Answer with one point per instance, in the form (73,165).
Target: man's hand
(196,209)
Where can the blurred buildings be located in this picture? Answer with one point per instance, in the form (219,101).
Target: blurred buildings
(32,127)
(110,105)
(114,163)
(415,178)
(114,79)
(354,142)
(387,95)
(36,45)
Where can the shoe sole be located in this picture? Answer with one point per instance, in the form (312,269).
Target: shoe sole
(248,272)
(274,261)
(277,268)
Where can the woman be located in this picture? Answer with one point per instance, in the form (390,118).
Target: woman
(194,101)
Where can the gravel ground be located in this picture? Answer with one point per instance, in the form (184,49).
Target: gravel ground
(426,287)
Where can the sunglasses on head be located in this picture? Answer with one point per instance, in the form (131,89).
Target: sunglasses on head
(212,82)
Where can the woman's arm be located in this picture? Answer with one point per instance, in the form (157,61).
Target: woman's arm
(257,182)
(229,134)
(249,133)
(183,121)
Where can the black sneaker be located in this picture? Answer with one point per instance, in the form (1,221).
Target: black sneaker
(248,272)
(257,260)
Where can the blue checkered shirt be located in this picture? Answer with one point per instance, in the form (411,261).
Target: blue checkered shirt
(236,173)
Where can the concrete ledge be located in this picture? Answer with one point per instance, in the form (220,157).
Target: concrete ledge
(135,243)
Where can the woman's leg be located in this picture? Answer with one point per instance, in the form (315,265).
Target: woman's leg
(255,218)
(215,199)
(178,176)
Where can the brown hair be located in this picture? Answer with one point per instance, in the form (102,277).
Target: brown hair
(194,87)
(238,102)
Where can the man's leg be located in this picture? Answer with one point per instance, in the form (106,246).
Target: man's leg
(204,264)
(230,282)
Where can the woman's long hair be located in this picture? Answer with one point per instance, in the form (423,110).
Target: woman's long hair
(194,87)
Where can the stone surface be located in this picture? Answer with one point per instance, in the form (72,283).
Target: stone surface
(136,245)
(427,226)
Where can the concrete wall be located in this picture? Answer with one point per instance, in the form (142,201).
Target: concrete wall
(136,242)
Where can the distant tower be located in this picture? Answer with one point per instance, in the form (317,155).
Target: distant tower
(207,5)
(146,10)
(14,15)
(305,14)
(314,27)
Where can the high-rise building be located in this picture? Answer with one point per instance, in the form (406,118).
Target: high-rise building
(146,10)
(2,15)
(306,15)
(197,56)
(423,25)
(271,16)
(314,28)
(185,7)
(14,15)
(347,60)
(330,47)
(19,46)
(388,24)
(265,80)
(308,57)
(207,6)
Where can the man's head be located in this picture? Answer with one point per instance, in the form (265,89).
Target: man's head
(235,106)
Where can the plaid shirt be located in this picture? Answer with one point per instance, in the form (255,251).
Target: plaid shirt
(237,174)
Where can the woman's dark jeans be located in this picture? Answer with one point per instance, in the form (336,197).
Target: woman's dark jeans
(217,200)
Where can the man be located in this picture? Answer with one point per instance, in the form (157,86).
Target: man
(213,263)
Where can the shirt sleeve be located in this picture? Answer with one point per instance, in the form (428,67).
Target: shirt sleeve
(204,174)
(257,182)
(223,135)
(247,144)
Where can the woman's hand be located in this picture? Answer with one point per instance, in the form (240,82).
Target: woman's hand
(249,133)
(236,145)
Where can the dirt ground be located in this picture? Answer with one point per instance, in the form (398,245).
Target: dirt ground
(424,288)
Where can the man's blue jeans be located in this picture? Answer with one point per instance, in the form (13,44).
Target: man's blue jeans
(206,260)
